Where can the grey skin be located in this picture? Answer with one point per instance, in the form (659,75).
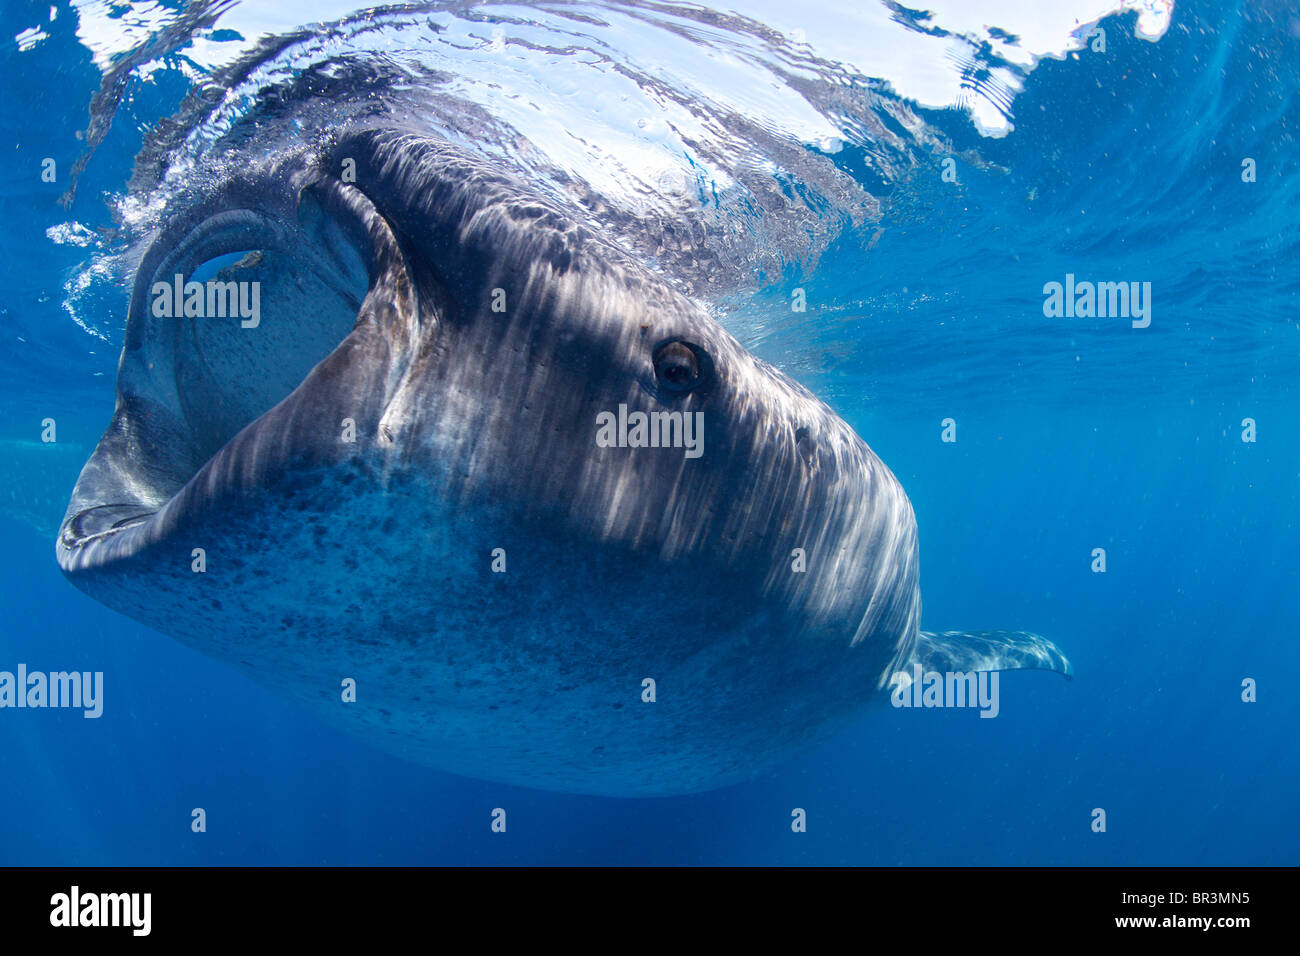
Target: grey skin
(474,431)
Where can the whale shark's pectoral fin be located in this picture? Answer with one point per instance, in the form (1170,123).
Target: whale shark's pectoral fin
(967,651)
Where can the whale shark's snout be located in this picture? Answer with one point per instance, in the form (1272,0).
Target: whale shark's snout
(388,420)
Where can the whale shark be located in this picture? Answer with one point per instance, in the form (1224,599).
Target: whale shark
(482,486)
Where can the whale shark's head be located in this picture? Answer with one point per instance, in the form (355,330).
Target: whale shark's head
(385,414)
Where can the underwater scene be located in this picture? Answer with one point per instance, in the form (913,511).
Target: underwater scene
(512,433)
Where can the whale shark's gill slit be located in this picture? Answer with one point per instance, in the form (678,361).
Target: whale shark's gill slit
(211,269)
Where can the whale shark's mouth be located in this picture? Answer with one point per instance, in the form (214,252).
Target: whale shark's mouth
(253,308)
(234,305)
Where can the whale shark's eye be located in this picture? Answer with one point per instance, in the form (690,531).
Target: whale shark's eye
(677,367)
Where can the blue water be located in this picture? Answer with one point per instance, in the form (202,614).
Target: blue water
(1073,434)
